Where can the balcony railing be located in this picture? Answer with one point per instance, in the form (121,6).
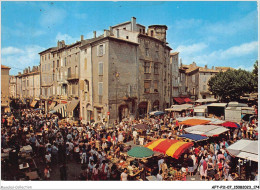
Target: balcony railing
(73,77)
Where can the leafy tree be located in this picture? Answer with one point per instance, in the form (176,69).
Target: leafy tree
(255,75)
(232,84)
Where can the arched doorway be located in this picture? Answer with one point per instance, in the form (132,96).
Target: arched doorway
(123,111)
(156,104)
(142,109)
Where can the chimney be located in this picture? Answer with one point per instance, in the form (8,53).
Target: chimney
(206,66)
(193,64)
(58,43)
(133,23)
(94,34)
(19,73)
(110,30)
(181,62)
(117,33)
(106,33)
(81,37)
(29,69)
(62,43)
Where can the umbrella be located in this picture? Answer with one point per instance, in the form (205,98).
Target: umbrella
(141,126)
(173,148)
(247,117)
(140,152)
(230,124)
(194,137)
(156,113)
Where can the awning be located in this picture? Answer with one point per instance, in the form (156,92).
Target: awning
(186,100)
(173,148)
(246,149)
(194,137)
(206,130)
(179,108)
(140,152)
(34,102)
(61,108)
(218,105)
(206,100)
(179,100)
(72,105)
(230,124)
(52,105)
(192,122)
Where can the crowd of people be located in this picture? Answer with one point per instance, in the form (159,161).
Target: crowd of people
(94,146)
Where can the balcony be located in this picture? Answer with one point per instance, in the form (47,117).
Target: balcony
(73,77)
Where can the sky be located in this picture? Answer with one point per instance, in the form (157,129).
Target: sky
(219,33)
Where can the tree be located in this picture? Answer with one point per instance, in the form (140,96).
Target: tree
(255,75)
(232,84)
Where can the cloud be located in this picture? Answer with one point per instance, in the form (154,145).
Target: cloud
(190,49)
(11,50)
(220,56)
(67,38)
(20,58)
(52,16)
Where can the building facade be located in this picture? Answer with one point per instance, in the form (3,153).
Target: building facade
(5,98)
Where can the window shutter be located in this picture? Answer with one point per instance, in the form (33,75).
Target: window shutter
(104,49)
(100,88)
(155,85)
(146,84)
(100,68)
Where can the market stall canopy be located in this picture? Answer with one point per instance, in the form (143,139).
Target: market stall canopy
(61,108)
(194,137)
(140,152)
(141,126)
(246,149)
(72,105)
(201,108)
(230,124)
(206,100)
(173,148)
(52,105)
(192,122)
(156,113)
(206,130)
(236,104)
(217,105)
(179,108)
(179,100)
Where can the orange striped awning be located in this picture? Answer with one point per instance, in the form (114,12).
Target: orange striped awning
(192,122)
(173,148)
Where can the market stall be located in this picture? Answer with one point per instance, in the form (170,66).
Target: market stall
(246,149)
(192,122)
(194,137)
(206,130)
(231,125)
(173,148)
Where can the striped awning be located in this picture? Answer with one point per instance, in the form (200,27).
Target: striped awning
(34,102)
(72,105)
(52,105)
(173,148)
(60,108)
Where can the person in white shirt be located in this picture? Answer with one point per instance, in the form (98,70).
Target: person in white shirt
(160,162)
(135,135)
(159,176)
(124,175)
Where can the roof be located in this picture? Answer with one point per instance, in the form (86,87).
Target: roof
(5,67)
(158,26)
(218,104)
(49,49)
(121,24)
(175,53)
(203,69)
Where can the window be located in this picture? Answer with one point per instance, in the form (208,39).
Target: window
(86,85)
(76,71)
(86,51)
(152,33)
(100,88)
(58,64)
(143,31)
(100,68)
(124,28)
(193,78)
(147,86)
(127,37)
(65,61)
(69,72)
(100,50)
(147,51)
(140,30)
(146,67)
(193,91)
(156,68)
(157,54)
(155,83)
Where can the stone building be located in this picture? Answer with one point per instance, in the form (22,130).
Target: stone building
(12,87)
(175,83)
(124,72)
(28,86)
(5,99)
